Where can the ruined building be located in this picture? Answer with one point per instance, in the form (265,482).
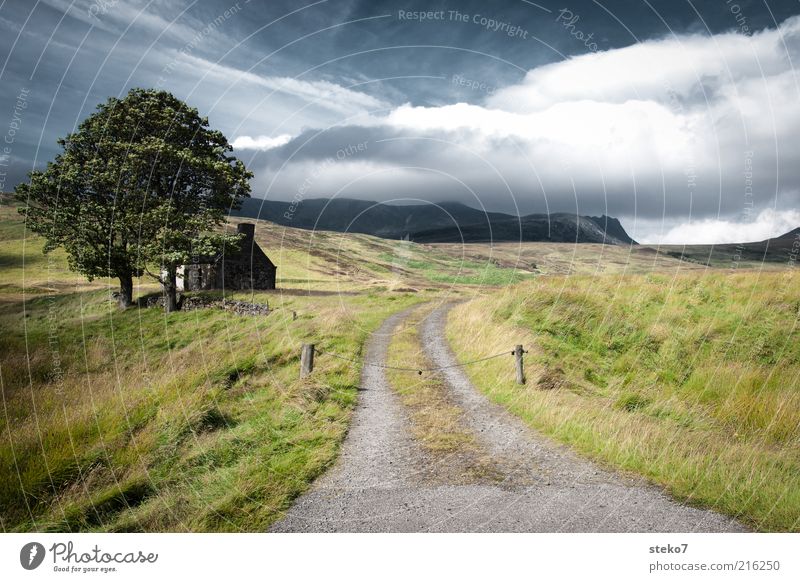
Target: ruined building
(249,268)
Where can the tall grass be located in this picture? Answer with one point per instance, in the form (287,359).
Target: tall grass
(692,380)
(192,421)
(195,421)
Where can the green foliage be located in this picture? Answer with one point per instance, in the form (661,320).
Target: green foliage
(141,183)
(631,402)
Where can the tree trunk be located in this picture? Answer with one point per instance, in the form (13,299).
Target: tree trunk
(125,291)
(170,291)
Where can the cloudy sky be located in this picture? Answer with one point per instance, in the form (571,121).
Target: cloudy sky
(680,118)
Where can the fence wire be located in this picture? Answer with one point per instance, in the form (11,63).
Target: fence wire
(417,370)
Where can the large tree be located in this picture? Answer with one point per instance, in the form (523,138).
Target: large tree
(140,187)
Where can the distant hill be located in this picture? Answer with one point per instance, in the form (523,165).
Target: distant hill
(559,227)
(780,249)
(444,222)
(612,227)
(792,235)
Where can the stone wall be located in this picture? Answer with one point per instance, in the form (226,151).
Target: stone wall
(246,268)
(199,302)
(237,276)
(241,276)
(199,277)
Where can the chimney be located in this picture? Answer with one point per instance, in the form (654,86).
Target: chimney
(248,229)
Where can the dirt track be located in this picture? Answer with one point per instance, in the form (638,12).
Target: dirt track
(385,482)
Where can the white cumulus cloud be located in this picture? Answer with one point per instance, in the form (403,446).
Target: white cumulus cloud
(689,130)
(262,142)
(768,224)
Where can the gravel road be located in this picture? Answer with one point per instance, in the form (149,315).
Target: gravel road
(385,482)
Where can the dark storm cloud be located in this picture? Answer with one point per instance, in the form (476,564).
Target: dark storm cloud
(324,76)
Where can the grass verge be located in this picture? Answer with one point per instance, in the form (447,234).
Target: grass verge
(437,423)
(690,380)
(192,421)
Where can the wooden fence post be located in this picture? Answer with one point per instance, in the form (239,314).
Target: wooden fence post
(306,360)
(518,351)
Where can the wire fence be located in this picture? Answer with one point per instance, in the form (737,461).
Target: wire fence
(411,369)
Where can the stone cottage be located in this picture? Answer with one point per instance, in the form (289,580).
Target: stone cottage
(249,268)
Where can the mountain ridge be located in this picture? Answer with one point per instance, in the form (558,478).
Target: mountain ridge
(430,223)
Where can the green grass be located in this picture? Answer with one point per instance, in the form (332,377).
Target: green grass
(25,270)
(690,380)
(438,267)
(195,421)
(192,421)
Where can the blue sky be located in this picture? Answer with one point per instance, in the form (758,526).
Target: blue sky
(679,118)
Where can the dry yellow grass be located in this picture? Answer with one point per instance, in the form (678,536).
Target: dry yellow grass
(437,422)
